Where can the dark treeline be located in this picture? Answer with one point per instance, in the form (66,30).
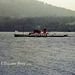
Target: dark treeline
(50,23)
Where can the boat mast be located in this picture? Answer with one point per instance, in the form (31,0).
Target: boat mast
(23,29)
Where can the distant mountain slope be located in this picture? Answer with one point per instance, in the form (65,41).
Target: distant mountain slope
(31,8)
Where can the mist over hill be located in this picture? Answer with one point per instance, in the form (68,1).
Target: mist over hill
(31,8)
(36,15)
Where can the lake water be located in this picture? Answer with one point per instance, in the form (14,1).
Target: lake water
(37,56)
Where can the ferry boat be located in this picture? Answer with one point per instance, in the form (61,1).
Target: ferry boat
(38,33)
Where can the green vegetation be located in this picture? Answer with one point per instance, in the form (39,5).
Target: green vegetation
(50,23)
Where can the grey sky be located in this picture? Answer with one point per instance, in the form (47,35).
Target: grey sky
(69,4)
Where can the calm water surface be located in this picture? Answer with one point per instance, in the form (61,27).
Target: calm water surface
(36,56)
